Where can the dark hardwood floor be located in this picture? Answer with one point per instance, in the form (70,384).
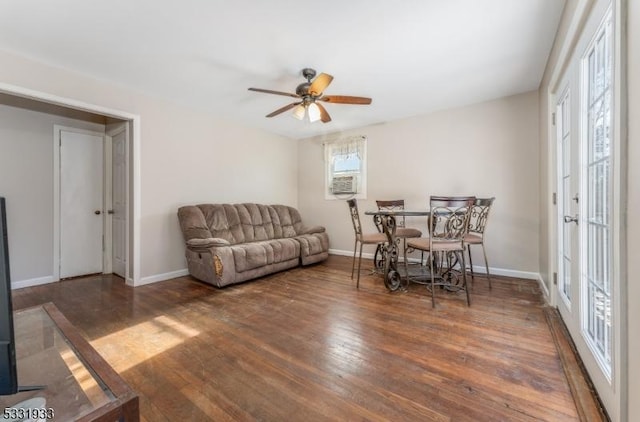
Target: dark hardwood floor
(306,345)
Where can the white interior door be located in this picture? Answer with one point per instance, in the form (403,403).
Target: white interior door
(119,202)
(81,203)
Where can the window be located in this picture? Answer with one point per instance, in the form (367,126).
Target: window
(345,168)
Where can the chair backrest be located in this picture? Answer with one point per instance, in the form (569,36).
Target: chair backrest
(355,217)
(392,205)
(449,216)
(480,214)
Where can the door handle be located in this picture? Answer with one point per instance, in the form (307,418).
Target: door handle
(97,212)
(569,219)
(109,211)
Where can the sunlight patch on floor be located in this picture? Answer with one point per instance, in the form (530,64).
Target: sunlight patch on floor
(122,349)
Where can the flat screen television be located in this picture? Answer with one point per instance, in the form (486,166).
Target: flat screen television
(8,372)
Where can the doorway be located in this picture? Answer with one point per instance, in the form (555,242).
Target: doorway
(65,106)
(588,177)
(90,197)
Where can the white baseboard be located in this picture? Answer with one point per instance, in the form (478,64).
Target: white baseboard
(32,282)
(545,290)
(529,275)
(145,280)
(480,269)
(365,255)
(161,277)
(184,272)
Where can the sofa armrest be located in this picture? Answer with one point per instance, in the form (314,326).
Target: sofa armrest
(312,230)
(210,242)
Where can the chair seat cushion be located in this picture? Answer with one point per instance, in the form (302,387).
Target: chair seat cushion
(447,245)
(438,245)
(472,238)
(407,232)
(421,243)
(370,238)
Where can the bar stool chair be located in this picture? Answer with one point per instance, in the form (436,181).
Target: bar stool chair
(477,225)
(448,225)
(362,238)
(402,232)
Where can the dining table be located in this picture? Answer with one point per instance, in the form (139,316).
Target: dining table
(387,221)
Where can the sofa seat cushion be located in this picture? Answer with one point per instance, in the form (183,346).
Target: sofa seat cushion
(249,256)
(313,244)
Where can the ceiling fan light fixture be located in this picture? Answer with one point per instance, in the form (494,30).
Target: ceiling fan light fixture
(307,93)
(299,111)
(313,112)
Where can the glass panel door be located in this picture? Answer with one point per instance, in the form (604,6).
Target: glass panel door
(565,207)
(588,177)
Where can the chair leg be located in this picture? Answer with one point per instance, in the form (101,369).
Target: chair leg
(353,264)
(470,263)
(359,262)
(433,284)
(486,264)
(406,263)
(464,279)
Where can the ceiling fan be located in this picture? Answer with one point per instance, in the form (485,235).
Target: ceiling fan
(309,95)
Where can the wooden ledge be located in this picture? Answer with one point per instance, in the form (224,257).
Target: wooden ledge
(584,395)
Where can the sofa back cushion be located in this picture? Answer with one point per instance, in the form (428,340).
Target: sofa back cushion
(290,220)
(239,223)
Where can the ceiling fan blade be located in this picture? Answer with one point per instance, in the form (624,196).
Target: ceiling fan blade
(283,109)
(324,115)
(345,99)
(269,91)
(320,83)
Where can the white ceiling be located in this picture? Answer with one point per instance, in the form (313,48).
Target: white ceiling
(411,56)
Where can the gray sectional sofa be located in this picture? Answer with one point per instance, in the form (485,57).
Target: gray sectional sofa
(232,243)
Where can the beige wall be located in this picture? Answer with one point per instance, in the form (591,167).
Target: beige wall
(26,169)
(495,145)
(633,209)
(186,157)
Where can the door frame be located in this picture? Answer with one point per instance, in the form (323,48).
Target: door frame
(133,268)
(575,31)
(57,139)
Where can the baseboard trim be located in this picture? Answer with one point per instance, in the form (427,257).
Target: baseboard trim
(32,282)
(184,272)
(162,277)
(479,269)
(144,280)
(545,289)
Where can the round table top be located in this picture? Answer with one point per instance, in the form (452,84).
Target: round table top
(401,213)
